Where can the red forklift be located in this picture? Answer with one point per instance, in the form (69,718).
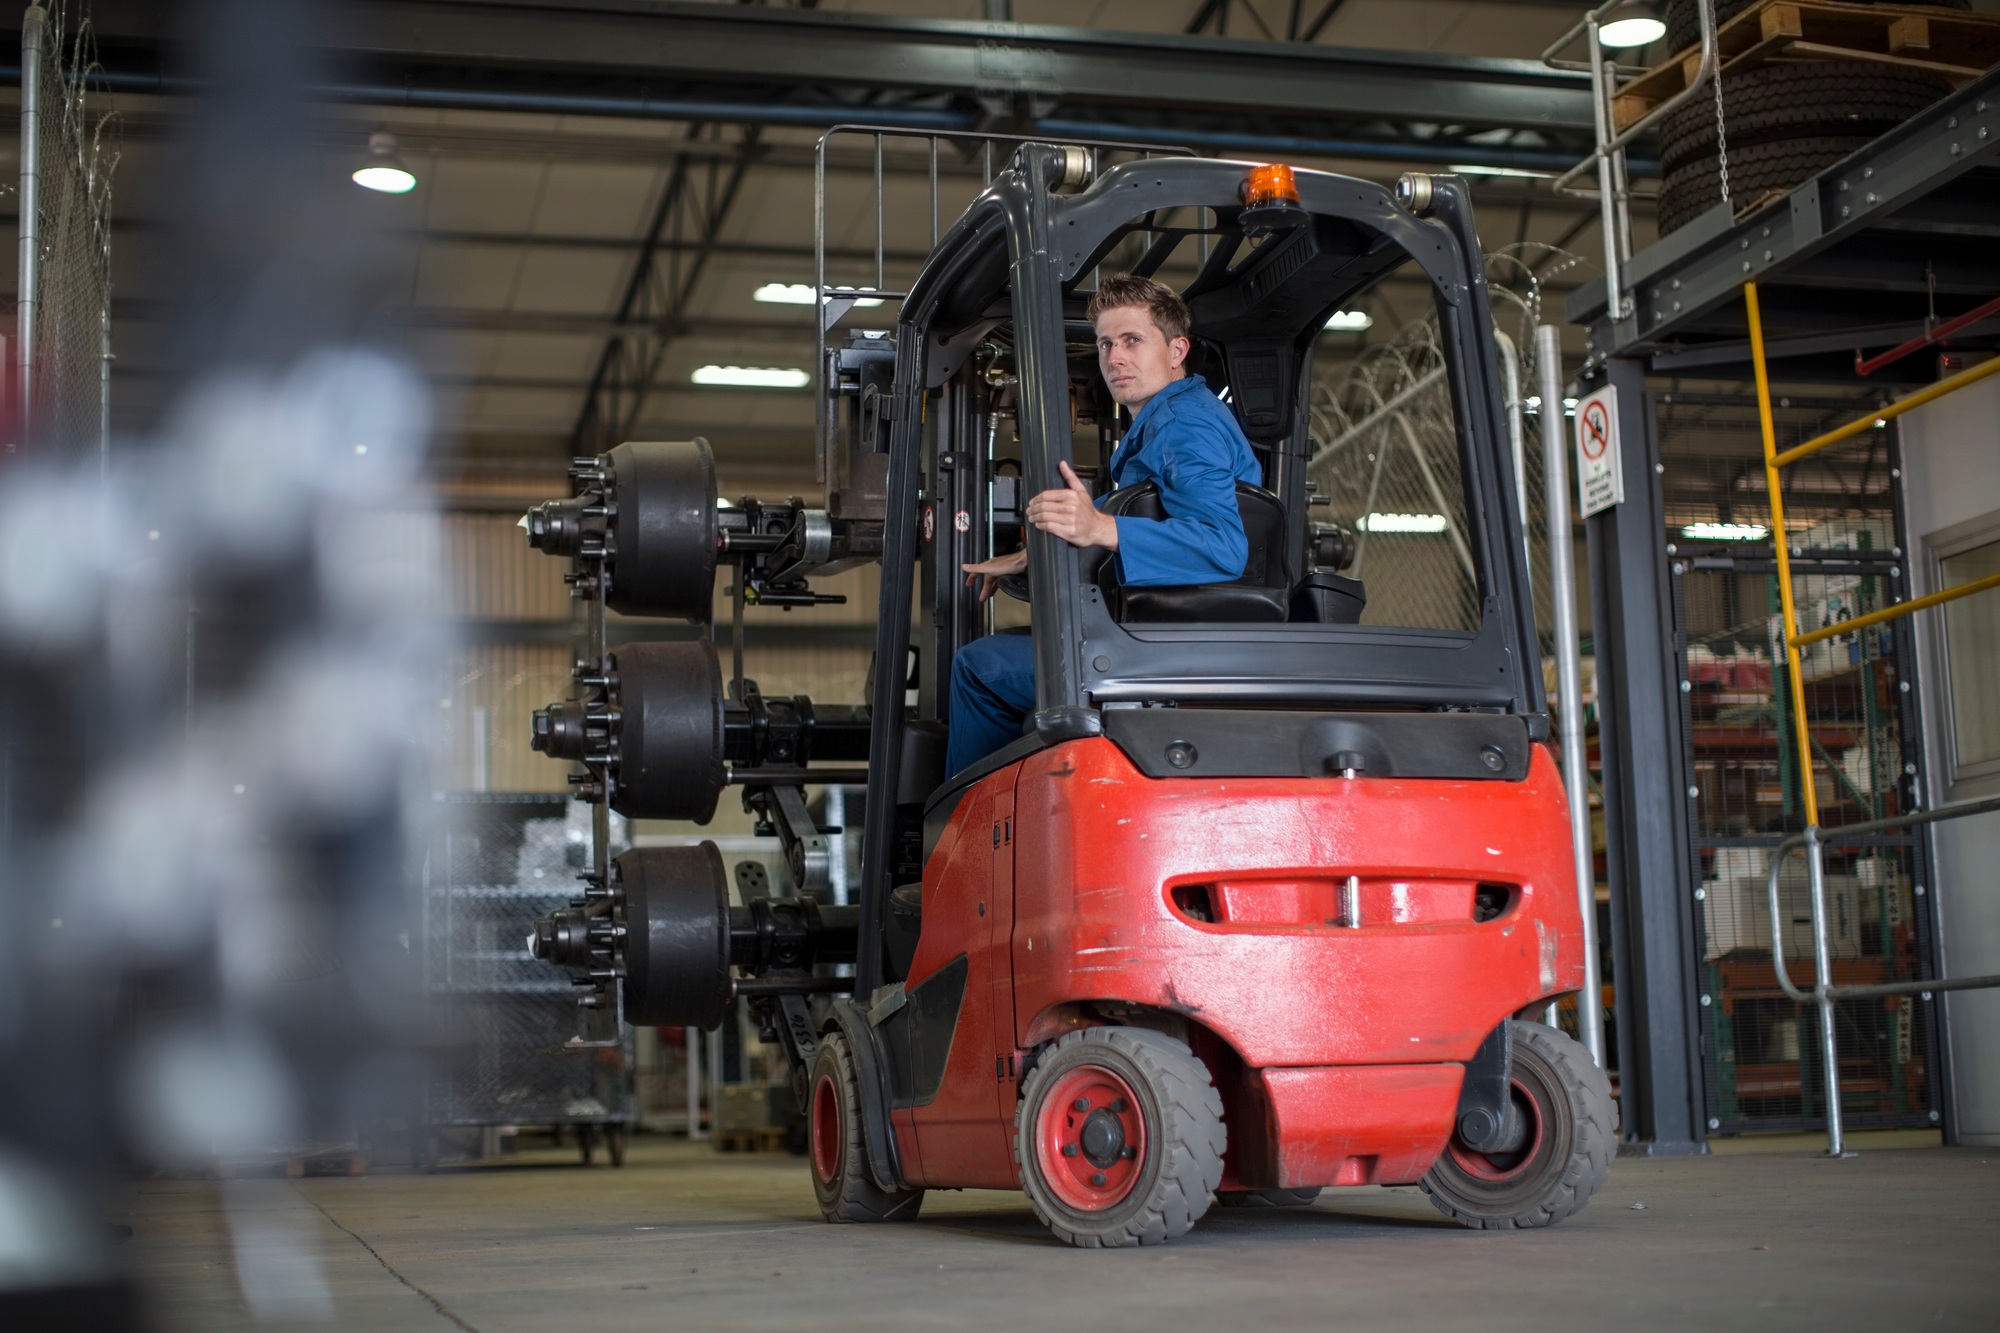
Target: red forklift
(1273,892)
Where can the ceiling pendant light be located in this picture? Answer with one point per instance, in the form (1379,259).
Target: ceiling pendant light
(384,170)
(1631,26)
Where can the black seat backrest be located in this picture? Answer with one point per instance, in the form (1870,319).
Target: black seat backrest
(1262,593)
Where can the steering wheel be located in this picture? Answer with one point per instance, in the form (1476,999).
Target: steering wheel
(1015,586)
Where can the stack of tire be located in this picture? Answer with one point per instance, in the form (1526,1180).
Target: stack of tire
(1783,123)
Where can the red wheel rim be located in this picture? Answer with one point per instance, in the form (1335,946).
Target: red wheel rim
(1500,1167)
(1090,1138)
(827,1139)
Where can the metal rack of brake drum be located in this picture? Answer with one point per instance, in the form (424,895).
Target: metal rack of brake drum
(657,732)
(1875,268)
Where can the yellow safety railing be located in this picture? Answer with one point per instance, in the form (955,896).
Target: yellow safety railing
(1824,991)
(1775,459)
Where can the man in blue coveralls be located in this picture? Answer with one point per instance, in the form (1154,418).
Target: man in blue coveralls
(1182,438)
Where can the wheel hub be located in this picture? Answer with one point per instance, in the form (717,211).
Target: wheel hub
(1090,1138)
(1496,1166)
(1103,1138)
(826,1134)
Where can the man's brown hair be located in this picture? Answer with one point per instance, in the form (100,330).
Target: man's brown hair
(1162,302)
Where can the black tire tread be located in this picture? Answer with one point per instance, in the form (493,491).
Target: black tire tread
(1770,102)
(1757,171)
(1594,1145)
(1194,1138)
(857,1198)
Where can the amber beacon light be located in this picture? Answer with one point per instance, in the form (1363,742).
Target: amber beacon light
(1270,186)
(1270,200)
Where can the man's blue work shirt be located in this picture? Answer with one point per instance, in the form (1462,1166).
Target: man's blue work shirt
(1186,440)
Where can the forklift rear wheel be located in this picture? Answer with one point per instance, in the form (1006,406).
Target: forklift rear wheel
(837,1155)
(1266,1198)
(1119,1138)
(1569,1138)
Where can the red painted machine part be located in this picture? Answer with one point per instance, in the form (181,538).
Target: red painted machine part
(1380,1125)
(1055,878)
(964,1138)
(1099,847)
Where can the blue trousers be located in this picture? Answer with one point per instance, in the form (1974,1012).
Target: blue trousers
(992,693)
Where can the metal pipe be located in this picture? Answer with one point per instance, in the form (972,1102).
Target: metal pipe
(34,23)
(1824,992)
(1899,610)
(692,1036)
(836,843)
(822,460)
(1510,374)
(1862,424)
(1569,676)
(714,1080)
(747,986)
(740,776)
(1823,964)
(1607,193)
(1774,486)
(1926,338)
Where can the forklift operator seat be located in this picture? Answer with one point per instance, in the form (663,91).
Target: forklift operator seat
(1261,594)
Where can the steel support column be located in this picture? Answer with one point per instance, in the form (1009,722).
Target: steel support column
(1645,795)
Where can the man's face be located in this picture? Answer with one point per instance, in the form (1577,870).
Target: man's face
(1136,359)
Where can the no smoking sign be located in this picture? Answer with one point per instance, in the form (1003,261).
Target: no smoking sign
(1600,481)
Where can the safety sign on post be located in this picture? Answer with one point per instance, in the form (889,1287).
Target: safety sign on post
(1600,481)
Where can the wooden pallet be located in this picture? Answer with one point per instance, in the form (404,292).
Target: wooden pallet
(750,1140)
(1951,42)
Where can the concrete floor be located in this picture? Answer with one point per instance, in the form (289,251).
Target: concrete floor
(685,1239)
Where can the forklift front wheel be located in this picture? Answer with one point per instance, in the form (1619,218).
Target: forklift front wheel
(1119,1138)
(1569,1136)
(835,1151)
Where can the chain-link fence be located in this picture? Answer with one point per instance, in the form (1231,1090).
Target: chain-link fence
(70,153)
(1386,457)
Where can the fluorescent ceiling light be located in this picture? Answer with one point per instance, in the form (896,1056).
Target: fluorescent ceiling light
(384,171)
(753,377)
(801,293)
(1726,532)
(1624,33)
(1401,523)
(1350,321)
(1534,404)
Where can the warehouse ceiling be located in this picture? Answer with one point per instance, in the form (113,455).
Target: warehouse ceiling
(602,188)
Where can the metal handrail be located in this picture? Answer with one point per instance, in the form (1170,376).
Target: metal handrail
(1587,27)
(1898,610)
(1861,425)
(1824,992)
(1613,186)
